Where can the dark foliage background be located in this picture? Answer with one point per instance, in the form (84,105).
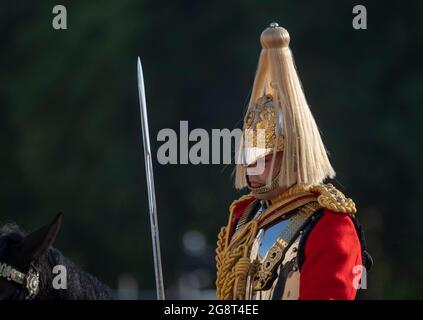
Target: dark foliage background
(70,128)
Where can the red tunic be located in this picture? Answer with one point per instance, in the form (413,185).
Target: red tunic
(332,250)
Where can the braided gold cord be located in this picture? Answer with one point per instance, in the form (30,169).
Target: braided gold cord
(328,197)
(233,263)
(333,199)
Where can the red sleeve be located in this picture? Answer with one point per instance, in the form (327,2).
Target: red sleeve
(332,251)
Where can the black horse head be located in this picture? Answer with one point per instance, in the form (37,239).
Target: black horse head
(21,252)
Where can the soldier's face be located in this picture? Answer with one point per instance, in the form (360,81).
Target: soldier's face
(257,180)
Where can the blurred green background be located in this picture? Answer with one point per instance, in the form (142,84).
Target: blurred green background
(70,128)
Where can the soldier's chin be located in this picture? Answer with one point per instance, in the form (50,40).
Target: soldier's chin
(269,195)
(256,184)
(262,192)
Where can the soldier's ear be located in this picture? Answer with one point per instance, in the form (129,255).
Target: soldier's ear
(36,244)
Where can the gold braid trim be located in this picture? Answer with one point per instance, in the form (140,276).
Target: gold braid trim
(333,199)
(233,262)
(327,195)
(232,209)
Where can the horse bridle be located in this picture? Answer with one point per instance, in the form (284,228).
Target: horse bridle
(30,280)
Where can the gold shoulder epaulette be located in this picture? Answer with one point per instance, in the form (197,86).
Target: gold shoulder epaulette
(333,199)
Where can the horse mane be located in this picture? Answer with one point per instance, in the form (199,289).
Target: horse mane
(10,233)
(12,229)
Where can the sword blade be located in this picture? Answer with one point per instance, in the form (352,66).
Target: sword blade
(150,186)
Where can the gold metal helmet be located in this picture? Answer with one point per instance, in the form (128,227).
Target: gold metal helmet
(278,118)
(262,130)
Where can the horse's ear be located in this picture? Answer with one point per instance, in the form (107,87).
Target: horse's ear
(35,244)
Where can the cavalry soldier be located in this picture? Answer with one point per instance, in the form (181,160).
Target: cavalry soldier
(291,237)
